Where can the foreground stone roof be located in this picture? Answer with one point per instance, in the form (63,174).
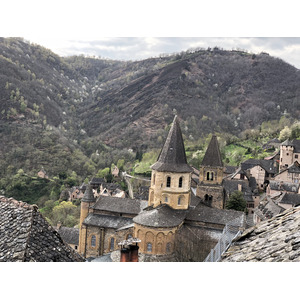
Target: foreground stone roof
(276,239)
(26,236)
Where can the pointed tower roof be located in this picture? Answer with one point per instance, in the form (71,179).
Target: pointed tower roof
(172,157)
(212,155)
(88,194)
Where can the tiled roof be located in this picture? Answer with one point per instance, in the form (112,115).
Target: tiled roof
(203,213)
(212,155)
(26,236)
(106,221)
(88,195)
(267,165)
(293,199)
(172,157)
(120,205)
(268,208)
(69,235)
(284,186)
(160,216)
(277,240)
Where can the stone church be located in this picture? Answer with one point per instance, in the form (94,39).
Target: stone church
(175,223)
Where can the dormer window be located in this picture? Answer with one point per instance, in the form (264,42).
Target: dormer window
(168,181)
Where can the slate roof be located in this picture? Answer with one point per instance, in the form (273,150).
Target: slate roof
(203,213)
(69,235)
(97,181)
(284,186)
(274,240)
(267,165)
(160,216)
(26,236)
(106,221)
(172,157)
(268,208)
(293,143)
(231,186)
(120,205)
(294,168)
(212,155)
(293,199)
(88,195)
(230,169)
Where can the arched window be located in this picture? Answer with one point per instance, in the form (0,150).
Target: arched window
(153,179)
(180,182)
(207,176)
(149,247)
(168,247)
(93,241)
(168,181)
(129,236)
(112,244)
(206,197)
(166,199)
(211,175)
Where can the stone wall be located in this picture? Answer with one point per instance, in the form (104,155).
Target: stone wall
(212,195)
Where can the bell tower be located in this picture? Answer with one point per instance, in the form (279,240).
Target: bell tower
(210,188)
(171,175)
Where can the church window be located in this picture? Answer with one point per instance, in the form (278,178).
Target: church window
(180,182)
(207,176)
(168,181)
(149,247)
(211,175)
(112,244)
(93,241)
(206,197)
(153,179)
(180,200)
(168,247)
(166,198)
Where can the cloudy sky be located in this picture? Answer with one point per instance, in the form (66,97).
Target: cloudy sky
(102,28)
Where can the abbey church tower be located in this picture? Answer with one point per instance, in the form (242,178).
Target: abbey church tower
(171,175)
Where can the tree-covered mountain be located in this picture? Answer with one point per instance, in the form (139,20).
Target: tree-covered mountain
(82,113)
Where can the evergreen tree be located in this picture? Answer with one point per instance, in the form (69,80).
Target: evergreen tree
(236,201)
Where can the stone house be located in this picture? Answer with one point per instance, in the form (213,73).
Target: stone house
(290,174)
(173,224)
(26,236)
(42,174)
(289,153)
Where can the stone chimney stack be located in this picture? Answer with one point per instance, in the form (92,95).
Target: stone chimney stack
(129,252)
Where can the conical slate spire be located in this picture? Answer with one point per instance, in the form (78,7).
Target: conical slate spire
(88,194)
(172,157)
(212,155)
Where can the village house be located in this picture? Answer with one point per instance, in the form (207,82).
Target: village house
(289,153)
(42,174)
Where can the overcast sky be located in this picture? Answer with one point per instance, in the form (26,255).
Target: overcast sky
(102,28)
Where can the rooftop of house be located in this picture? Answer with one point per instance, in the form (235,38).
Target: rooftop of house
(172,157)
(284,186)
(212,156)
(231,186)
(69,235)
(292,199)
(26,236)
(119,205)
(273,240)
(268,208)
(267,165)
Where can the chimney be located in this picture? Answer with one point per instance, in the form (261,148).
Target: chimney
(129,251)
(124,255)
(134,253)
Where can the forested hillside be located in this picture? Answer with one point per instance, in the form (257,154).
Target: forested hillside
(80,114)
